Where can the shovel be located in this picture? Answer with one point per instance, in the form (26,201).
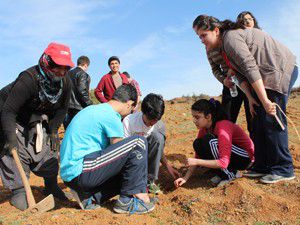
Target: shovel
(43,206)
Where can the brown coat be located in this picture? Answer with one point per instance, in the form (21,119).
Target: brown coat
(256,55)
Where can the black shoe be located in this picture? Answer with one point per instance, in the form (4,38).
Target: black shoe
(51,187)
(18,199)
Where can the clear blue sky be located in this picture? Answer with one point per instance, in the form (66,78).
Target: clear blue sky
(153,39)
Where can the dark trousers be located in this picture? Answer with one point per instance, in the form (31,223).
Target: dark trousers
(69,116)
(272,155)
(232,106)
(226,100)
(43,164)
(207,148)
(121,168)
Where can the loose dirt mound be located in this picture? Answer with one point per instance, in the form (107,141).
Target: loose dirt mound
(244,201)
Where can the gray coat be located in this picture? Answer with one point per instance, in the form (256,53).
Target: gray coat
(256,55)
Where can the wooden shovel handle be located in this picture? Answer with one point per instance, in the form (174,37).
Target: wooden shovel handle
(279,122)
(29,195)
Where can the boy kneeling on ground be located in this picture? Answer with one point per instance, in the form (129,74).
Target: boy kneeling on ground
(97,163)
(148,124)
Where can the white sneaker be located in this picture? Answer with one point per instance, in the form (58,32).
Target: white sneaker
(273,178)
(224,182)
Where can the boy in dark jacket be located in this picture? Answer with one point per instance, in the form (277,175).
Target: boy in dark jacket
(80,88)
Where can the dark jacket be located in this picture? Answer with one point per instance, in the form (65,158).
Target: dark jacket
(256,55)
(20,100)
(80,89)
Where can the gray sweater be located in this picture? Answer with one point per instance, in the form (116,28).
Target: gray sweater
(256,55)
(217,63)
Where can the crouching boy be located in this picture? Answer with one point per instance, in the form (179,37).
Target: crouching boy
(97,163)
(148,124)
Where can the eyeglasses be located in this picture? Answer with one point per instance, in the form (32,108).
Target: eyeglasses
(247,19)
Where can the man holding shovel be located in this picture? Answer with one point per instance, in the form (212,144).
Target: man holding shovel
(32,108)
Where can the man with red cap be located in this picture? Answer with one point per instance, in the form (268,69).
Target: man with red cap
(32,108)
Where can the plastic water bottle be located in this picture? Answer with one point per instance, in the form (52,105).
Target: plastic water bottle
(233,89)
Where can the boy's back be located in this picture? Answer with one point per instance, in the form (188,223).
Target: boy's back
(88,132)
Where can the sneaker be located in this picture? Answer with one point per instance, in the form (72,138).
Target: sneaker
(154,200)
(224,182)
(273,178)
(135,205)
(86,204)
(154,188)
(216,180)
(238,174)
(253,174)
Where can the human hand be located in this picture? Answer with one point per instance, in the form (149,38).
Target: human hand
(179,182)
(6,150)
(192,162)
(252,103)
(231,72)
(173,172)
(227,82)
(270,107)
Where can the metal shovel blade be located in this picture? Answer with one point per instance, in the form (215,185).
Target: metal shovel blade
(43,206)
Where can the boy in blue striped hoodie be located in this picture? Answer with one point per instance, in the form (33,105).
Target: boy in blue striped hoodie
(97,163)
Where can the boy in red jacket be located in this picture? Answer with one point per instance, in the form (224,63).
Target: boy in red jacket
(111,81)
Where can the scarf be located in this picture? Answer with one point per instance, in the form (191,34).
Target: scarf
(50,88)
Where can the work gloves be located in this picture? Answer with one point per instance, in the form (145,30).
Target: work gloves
(6,150)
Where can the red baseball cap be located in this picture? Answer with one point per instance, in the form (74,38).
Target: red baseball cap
(60,54)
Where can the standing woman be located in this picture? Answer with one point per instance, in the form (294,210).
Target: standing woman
(32,108)
(247,20)
(270,68)
(222,72)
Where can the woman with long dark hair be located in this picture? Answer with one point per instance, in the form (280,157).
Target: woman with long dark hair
(231,102)
(269,69)
(247,20)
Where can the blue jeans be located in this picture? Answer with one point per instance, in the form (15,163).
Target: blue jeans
(293,80)
(272,155)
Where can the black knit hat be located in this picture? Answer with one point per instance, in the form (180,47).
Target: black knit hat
(113,58)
